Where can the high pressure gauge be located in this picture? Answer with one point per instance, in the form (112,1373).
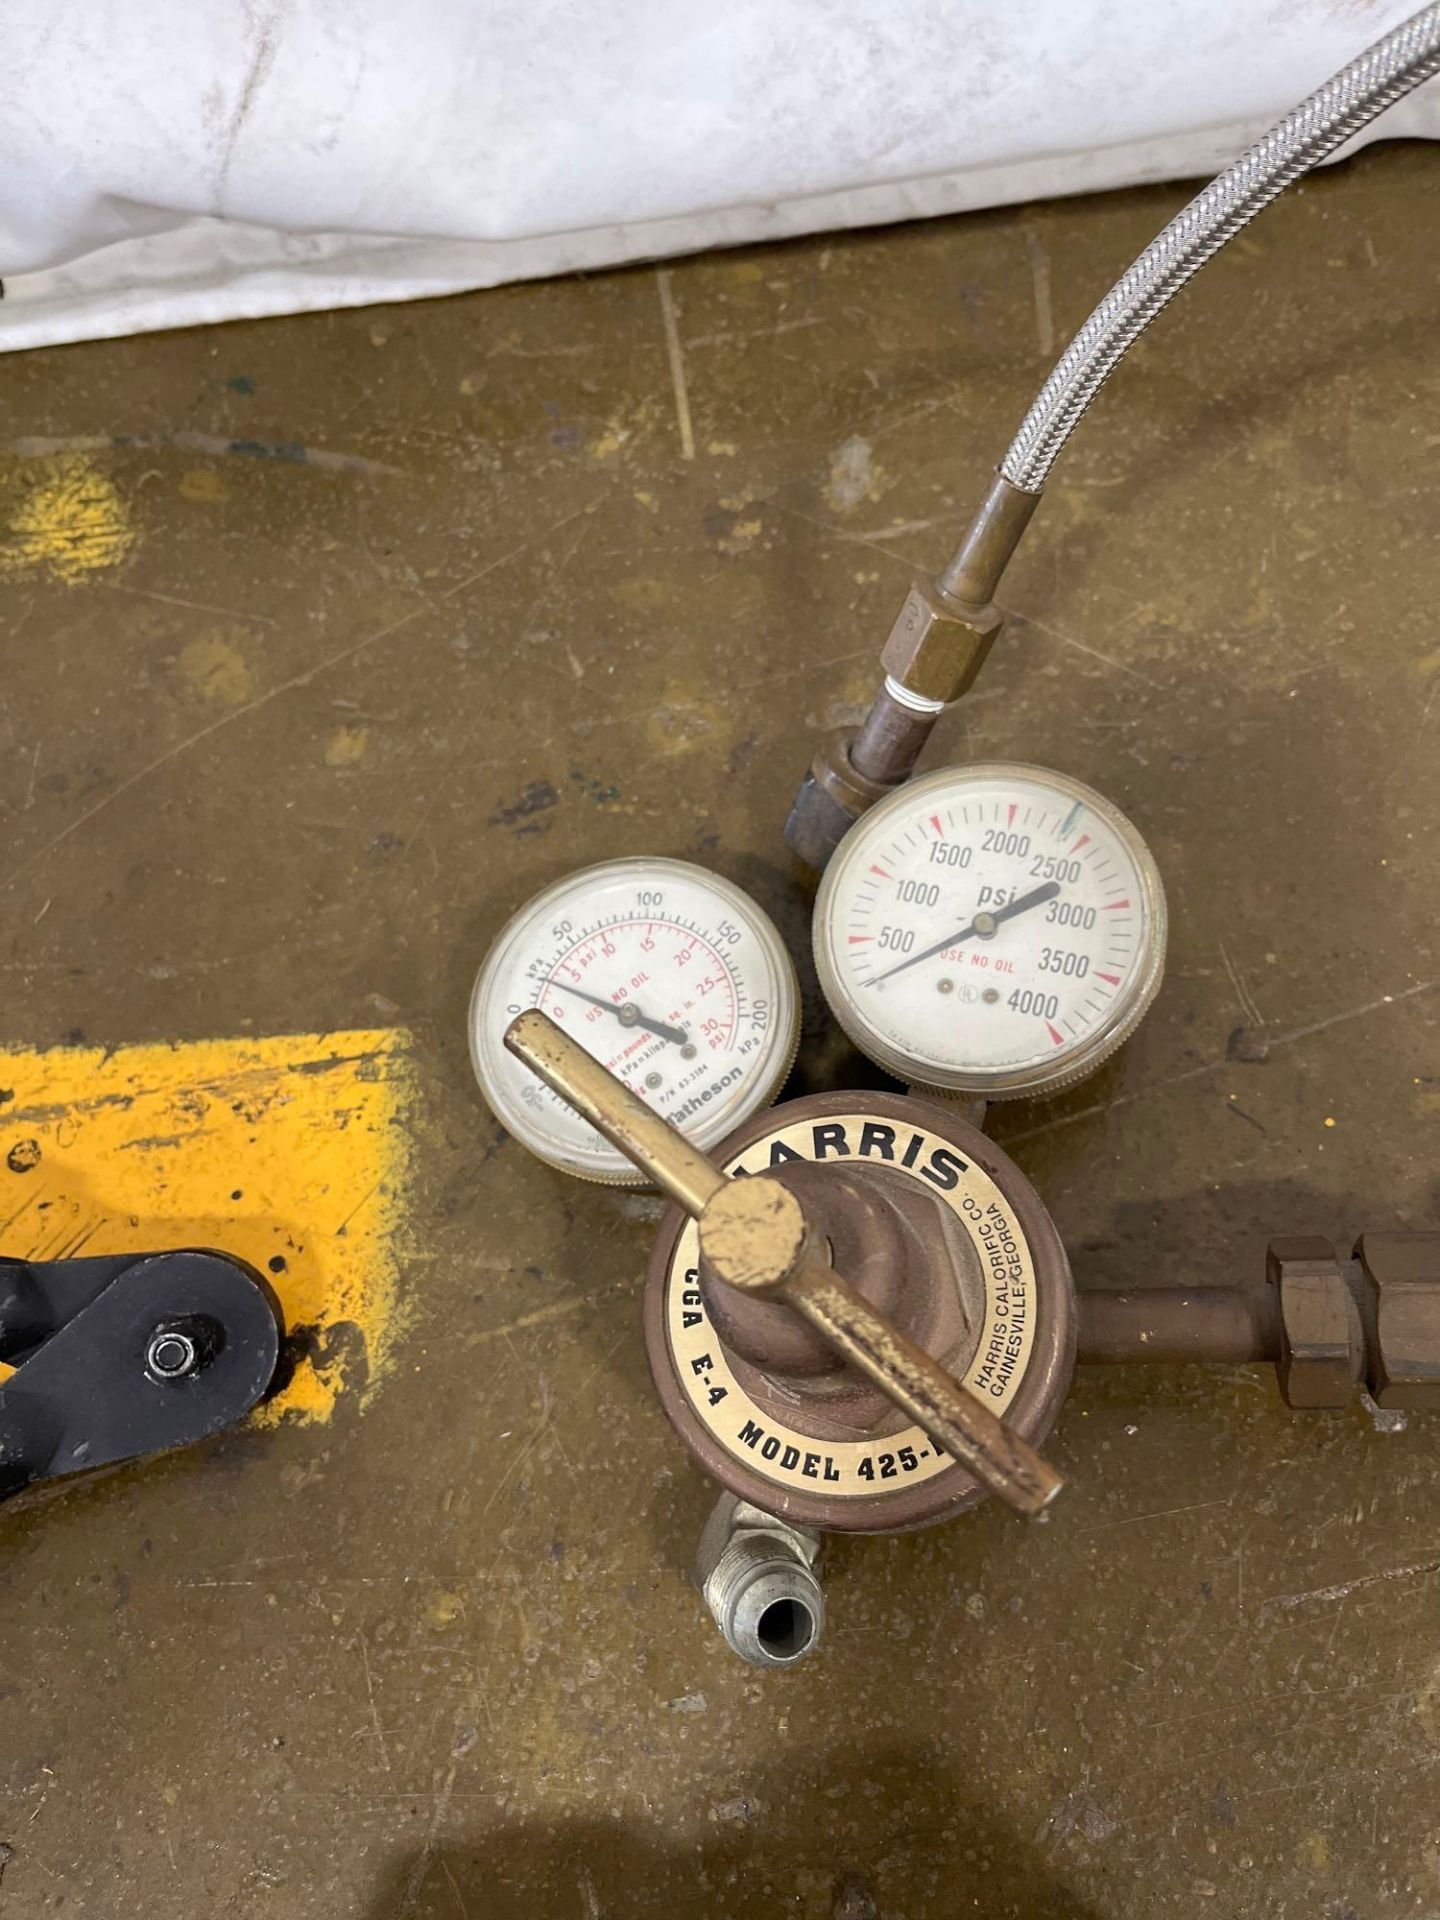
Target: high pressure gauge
(673,978)
(993,929)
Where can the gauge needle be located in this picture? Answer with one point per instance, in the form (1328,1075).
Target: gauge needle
(628,1014)
(983,923)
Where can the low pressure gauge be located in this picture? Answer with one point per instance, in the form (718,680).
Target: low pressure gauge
(669,975)
(992,929)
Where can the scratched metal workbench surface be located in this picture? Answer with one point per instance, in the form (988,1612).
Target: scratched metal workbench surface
(326,641)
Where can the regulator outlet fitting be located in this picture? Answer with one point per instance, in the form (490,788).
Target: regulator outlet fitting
(759,1577)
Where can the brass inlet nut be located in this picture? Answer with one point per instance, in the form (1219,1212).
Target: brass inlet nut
(1403,1273)
(836,774)
(1322,1342)
(831,800)
(938,645)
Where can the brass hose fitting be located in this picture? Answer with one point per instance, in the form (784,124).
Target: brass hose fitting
(938,644)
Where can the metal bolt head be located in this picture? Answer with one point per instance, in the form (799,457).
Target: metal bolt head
(629,1014)
(172,1354)
(1403,1271)
(1321,1343)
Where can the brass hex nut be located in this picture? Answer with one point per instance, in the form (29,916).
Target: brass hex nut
(836,774)
(1322,1343)
(831,799)
(938,645)
(1403,1273)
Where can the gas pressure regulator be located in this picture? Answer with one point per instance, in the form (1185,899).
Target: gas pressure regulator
(858,1314)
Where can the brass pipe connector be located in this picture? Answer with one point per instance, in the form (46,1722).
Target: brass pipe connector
(989,543)
(1329,1325)
(938,644)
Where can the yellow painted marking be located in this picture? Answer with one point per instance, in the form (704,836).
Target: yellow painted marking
(679,716)
(202,484)
(613,438)
(70,520)
(213,665)
(289,1149)
(346,745)
(445,1609)
(639,593)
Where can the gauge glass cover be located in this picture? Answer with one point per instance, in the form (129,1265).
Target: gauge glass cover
(994,929)
(670,975)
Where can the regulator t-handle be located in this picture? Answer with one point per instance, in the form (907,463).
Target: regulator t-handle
(754,1236)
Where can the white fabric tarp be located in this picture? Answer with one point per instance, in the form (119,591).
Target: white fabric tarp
(167,162)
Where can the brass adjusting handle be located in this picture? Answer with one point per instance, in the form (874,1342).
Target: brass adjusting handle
(754,1235)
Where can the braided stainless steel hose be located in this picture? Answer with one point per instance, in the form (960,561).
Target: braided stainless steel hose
(949,622)
(1380,76)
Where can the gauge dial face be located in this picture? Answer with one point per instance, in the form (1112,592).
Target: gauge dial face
(670,976)
(991,929)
